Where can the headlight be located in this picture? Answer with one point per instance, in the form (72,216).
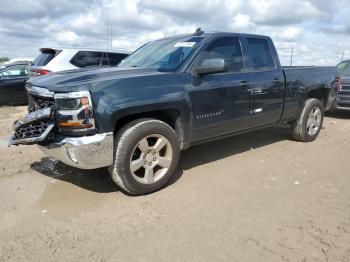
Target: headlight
(75,112)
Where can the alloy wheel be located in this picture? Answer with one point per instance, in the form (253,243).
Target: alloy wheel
(151,158)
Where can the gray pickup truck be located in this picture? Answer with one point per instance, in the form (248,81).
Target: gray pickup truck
(168,95)
(342,101)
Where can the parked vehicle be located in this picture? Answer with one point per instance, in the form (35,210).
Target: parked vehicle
(19,60)
(343,99)
(60,59)
(168,95)
(13,77)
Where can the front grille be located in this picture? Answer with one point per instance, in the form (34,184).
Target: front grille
(37,102)
(32,130)
(343,98)
(343,105)
(40,128)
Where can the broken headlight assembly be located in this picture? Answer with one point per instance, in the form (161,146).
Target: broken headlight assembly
(75,113)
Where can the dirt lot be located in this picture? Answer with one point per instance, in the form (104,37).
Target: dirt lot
(254,197)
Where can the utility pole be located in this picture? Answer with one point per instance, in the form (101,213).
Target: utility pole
(342,56)
(291,56)
(107,33)
(110,38)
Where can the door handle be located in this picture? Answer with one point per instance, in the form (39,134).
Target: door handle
(261,91)
(243,83)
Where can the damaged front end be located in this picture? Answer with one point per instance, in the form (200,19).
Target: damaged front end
(38,126)
(63,126)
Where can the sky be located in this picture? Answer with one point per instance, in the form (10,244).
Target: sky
(317,30)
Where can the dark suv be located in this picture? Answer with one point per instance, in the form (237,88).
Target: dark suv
(13,77)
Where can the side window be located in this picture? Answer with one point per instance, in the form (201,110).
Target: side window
(228,48)
(113,59)
(260,54)
(14,71)
(344,68)
(86,59)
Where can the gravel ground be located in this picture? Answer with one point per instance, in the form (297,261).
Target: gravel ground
(253,197)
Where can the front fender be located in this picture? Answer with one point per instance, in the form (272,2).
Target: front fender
(112,107)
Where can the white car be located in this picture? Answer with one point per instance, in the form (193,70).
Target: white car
(19,60)
(60,59)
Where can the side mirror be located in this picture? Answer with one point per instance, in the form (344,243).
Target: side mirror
(211,66)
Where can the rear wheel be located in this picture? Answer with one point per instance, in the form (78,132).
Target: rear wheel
(309,124)
(146,156)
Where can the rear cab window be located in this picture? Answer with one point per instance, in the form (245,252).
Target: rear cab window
(259,54)
(87,59)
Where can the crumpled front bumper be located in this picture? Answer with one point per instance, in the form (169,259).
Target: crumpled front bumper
(87,152)
(38,126)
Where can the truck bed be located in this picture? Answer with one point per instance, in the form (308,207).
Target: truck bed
(303,79)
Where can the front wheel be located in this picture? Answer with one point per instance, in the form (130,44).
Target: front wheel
(146,155)
(307,127)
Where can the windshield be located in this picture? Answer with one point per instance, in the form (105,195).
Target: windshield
(165,55)
(344,68)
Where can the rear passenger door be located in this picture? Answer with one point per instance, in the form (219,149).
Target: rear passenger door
(266,80)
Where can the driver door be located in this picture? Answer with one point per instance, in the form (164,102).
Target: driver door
(221,102)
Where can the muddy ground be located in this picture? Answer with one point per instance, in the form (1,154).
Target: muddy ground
(254,197)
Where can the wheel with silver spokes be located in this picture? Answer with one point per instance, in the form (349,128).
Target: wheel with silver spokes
(151,159)
(314,122)
(307,127)
(146,155)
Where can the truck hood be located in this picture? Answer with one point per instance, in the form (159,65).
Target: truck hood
(88,79)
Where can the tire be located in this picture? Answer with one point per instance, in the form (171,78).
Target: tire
(159,159)
(307,127)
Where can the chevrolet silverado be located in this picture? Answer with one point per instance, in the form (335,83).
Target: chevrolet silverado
(168,95)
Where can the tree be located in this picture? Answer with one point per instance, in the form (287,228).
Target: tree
(3,59)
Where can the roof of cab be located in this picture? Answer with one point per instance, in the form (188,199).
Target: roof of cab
(213,34)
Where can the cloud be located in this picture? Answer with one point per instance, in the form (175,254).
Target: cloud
(276,12)
(313,25)
(66,37)
(241,22)
(290,34)
(42,8)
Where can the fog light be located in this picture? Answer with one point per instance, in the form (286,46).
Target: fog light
(71,154)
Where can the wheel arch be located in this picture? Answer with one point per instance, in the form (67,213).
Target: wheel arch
(320,94)
(172,116)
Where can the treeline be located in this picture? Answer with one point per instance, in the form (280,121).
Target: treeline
(3,59)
